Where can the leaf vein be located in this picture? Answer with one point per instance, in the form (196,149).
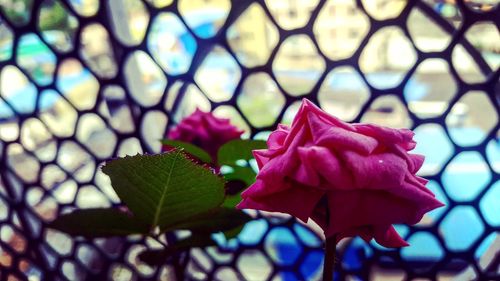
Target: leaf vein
(164,192)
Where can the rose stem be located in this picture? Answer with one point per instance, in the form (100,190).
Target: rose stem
(329,263)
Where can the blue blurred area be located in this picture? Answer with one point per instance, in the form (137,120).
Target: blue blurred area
(461,228)
(466,176)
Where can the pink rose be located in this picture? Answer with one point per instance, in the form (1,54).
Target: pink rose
(204,130)
(362,171)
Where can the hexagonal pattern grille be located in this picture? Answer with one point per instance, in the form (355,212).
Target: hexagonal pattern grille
(85,80)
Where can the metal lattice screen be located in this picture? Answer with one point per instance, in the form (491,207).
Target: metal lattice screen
(85,80)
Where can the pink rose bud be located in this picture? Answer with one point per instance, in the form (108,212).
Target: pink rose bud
(204,130)
(351,179)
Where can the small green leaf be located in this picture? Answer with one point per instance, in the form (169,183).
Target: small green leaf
(234,184)
(245,174)
(164,189)
(232,200)
(236,150)
(232,233)
(220,219)
(99,223)
(190,148)
(233,193)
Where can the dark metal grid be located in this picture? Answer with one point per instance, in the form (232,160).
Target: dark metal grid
(38,254)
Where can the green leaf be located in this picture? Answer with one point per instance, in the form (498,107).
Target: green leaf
(232,200)
(99,223)
(236,150)
(232,233)
(164,189)
(240,175)
(221,219)
(190,148)
(245,174)
(160,256)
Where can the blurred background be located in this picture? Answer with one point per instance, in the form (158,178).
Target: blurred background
(82,81)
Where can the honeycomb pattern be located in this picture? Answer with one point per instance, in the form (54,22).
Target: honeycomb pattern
(85,80)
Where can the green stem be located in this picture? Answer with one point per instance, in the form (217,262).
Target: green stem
(329,263)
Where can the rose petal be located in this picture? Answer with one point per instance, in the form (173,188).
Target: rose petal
(338,138)
(378,171)
(356,208)
(296,201)
(306,173)
(262,188)
(283,127)
(389,237)
(261,157)
(415,183)
(412,183)
(320,161)
(280,167)
(309,107)
(298,131)
(418,161)
(276,139)
(422,180)
(389,136)
(288,161)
